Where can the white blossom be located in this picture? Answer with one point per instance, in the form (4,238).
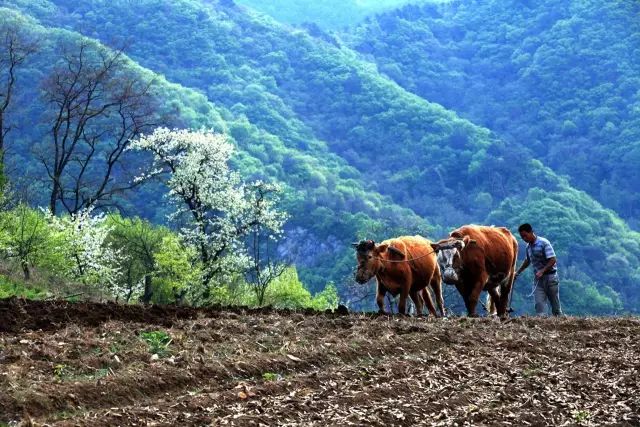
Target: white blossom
(220,209)
(82,240)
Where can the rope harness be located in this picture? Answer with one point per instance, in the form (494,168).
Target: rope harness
(535,286)
(404,260)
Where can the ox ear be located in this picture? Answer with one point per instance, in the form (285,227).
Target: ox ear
(364,245)
(395,252)
(466,241)
(382,248)
(435,247)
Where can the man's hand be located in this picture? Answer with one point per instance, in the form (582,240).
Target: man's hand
(539,274)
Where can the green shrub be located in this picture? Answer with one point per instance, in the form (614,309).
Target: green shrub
(158,342)
(9,288)
(287,291)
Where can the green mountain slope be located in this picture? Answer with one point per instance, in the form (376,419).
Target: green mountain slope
(327,198)
(297,87)
(323,101)
(561,79)
(328,14)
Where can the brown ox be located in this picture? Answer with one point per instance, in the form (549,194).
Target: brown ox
(477,258)
(405,265)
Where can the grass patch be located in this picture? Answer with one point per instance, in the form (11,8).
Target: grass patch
(10,288)
(158,342)
(65,373)
(530,372)
(61,371)
(270,376)
(582,416)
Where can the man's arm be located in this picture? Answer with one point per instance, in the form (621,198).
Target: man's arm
(550,263)
(524,265)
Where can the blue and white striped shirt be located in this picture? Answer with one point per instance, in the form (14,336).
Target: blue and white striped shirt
(538,254)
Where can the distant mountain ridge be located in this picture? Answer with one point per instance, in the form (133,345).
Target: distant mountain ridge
(560,79)
(328,14)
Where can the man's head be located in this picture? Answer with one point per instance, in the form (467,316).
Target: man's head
(526,233)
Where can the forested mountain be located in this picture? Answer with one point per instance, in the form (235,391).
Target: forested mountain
(327,14)
(360,155)
(335,200)
(560,79)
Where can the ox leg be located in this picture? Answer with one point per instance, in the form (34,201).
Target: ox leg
(436,285)
(380,294)
(402,304)
(472,300)
(426,296)
(417,300)
(505,292)
(494,302)
(464,294)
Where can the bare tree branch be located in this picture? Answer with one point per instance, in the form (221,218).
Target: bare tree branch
(97,106)
(264,269)
(15,48)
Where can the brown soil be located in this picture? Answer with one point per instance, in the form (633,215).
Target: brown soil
(87,364)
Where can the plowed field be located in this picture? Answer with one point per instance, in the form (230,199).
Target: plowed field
(90,364)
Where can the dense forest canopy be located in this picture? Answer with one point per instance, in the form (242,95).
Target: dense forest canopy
(327,14)
(560,80)
(422,141)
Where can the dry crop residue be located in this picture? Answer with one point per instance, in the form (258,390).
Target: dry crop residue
(95,364)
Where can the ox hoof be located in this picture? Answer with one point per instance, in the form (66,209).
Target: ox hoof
(342,309)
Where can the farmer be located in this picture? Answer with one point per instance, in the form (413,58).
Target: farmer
(540,253)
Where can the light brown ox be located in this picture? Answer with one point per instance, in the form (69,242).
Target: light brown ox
(404,265)
(477,258)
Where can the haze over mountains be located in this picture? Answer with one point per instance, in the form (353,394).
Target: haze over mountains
(417,120)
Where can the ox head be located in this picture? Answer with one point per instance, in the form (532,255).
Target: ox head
(450,258)
(371,258)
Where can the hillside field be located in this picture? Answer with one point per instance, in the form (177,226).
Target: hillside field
(106,364)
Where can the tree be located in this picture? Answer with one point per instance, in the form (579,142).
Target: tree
(178,270)
(97,105)
(16,46)
(139,241)
(264,269)
(81,241)
(216,207)
(24,236)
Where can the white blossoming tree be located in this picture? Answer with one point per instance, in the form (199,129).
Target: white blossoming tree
(219,209)
(80,239)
